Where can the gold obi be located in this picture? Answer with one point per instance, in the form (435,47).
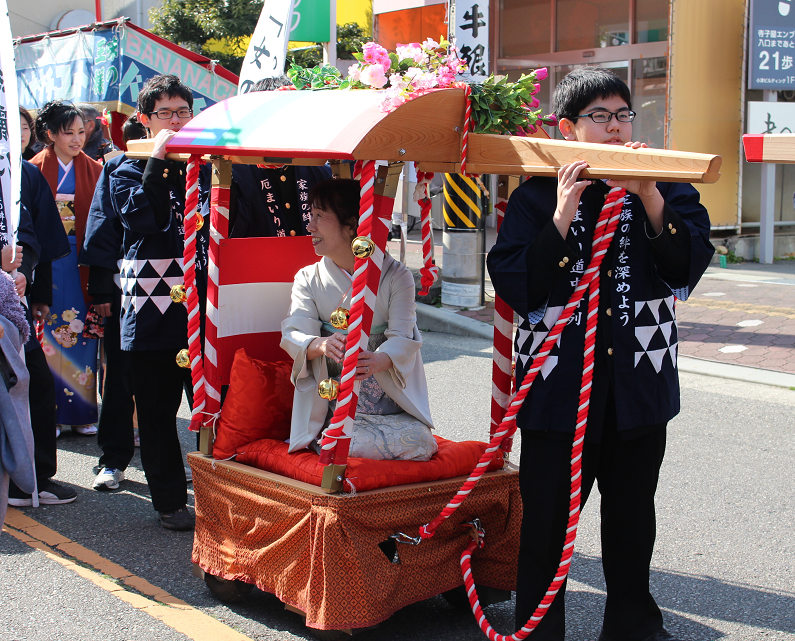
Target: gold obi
(66,209)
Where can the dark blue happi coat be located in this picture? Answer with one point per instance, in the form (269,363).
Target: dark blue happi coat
(150,203)
(641,278)
(104,237)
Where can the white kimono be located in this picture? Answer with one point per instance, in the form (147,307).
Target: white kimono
(317,291)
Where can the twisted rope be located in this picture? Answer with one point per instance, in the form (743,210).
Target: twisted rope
(603,235)
(502,354)
(194,313)
(467,126)
(331,450)
(429,272)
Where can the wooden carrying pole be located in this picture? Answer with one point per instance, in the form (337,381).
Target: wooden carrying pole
(771,148)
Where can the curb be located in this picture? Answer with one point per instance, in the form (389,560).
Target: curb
(436,319)
(744,373)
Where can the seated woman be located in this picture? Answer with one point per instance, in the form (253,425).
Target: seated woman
(392,416)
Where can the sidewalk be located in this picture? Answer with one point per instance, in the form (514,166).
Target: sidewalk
(743,315)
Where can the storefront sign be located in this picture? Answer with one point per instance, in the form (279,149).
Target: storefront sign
(771,63)
(268,46)
(109,67)
(472,37)
(771,118)
(311,21)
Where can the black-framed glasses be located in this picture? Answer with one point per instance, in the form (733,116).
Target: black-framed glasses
(602,116)
(166,114)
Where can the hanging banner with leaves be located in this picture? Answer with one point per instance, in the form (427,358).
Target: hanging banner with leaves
(268,47)
(10,135)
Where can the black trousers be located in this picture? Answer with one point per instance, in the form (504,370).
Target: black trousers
(115,428)
(42,419)
(157,385)
(627,471)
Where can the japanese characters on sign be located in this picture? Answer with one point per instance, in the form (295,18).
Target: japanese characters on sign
(770,118)
(472,37)
(10,134)
(771,62)
(268,47)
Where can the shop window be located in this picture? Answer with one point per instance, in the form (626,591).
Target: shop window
(651,20)
(525,27)
(648,100)
(588,24)
(410,25)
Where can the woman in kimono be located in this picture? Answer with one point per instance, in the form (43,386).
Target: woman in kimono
(392,416)
(71,355)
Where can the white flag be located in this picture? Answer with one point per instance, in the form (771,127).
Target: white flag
(268,47)
(10,133)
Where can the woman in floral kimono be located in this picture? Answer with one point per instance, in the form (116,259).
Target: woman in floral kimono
(393,417)
(72,176)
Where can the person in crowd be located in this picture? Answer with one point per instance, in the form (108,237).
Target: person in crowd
(102,251)
(148,196)
(70,329)
(39,204)
(393,416)
(271,200)
(16,438)
(660,250)
(28,134)
(96,145)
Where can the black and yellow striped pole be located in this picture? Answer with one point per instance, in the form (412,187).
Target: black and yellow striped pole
(464,229)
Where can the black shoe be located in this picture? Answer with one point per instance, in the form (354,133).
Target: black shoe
(181,520)
(661,635)
(51,493)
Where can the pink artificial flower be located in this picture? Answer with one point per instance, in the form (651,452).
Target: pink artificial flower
(412,51)
(354,71)
(376,55)
(536,89)
(374,76)
(446,76)
(541,74)
(430,44)
(530,129)
(534,103)
(398,82)
(551,120)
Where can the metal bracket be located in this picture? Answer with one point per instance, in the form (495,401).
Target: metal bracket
(333,476)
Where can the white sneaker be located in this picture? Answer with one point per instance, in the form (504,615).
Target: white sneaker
(108,479)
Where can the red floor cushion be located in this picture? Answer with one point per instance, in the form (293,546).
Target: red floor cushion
(453,459)
(258,405)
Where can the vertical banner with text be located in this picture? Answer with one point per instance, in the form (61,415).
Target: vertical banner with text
(472,38)
(10,134)
(268,47)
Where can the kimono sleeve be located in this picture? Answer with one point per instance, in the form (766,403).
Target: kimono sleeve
(300,328)
(530,255)
(403,340)
(682,251)
(37,197)
(130,201)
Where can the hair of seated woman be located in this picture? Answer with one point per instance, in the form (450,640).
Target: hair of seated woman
(340,196)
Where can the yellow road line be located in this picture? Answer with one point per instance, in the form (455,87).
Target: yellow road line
(731,306)
(174,612)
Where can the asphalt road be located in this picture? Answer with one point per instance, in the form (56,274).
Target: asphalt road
(724,566)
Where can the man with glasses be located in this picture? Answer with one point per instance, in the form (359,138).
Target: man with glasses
(149,198)
(658,253)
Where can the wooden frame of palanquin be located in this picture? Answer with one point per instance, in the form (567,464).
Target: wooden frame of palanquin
(427,130)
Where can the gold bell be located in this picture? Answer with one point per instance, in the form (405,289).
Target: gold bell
(183,358)
(178,294)
(362,247)
(199,221)
(328,388)
(339,318)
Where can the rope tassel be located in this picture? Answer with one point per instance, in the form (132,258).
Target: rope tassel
(603,235)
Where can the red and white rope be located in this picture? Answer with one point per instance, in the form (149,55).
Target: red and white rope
(603,235)
(467,127)
(335,443)
(219,230)
(502,354)
(429,272)
(194,311)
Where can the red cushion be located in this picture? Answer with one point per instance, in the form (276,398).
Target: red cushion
(452,459)
(258,405)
